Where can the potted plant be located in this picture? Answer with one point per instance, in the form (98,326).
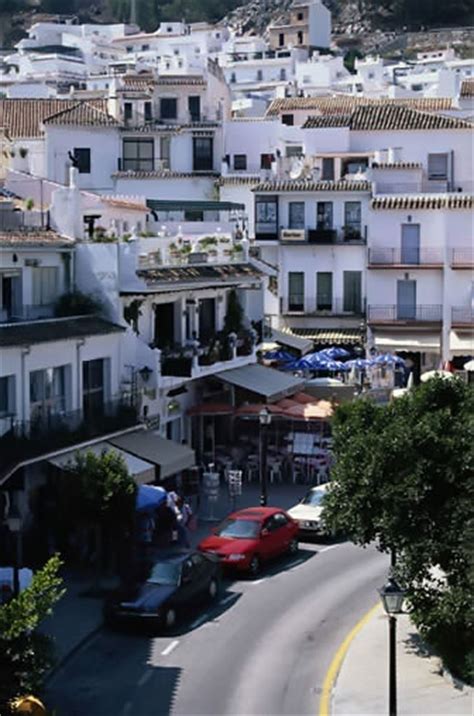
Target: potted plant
(23,152)
(29,204)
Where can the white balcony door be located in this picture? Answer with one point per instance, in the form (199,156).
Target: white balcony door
(410,244)
(406,300)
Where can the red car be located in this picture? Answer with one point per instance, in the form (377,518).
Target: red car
(249,537)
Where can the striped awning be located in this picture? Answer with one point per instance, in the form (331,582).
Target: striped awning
(334,336)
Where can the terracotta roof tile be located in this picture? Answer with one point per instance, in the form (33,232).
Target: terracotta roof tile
(34,238)
(328,335)
(345,104)
(234,180)
(83,114)
(25,117)
(397,165)
(467,88)
(424,201)
(309,185)
(208,273)
(162,175)
(185,80)
(384,117)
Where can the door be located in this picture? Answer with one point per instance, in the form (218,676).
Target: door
(164,325)
(352,285)
(296,215)
(406,300)
(410,253)
(283,533)
(207,319)
(324,291)
(194,106)
(268,539)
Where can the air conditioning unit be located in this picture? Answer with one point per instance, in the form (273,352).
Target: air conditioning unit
(292,235)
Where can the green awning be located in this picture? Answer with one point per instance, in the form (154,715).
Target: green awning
(188,205)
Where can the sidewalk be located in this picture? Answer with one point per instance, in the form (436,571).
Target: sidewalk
(76,617)
(361,688)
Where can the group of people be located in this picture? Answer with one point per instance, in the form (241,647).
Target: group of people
(169,524)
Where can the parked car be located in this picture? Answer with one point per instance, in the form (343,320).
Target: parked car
(308,511)
(177,580)
(249,537)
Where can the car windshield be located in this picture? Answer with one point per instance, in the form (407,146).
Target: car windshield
(239,529)
(313,498)
(165,573)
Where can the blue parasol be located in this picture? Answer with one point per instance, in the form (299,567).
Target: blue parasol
(279,355)
(149,497)
(388,359)
(360,363)
(334,352)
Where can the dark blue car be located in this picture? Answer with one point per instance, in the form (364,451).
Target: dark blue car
(175,580)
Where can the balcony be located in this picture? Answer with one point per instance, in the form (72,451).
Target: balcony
(404,315)
(462,258)
(346,236)
(26,313)
(23,440)
(399,258)
(321,306)
(462,316)
(143,165)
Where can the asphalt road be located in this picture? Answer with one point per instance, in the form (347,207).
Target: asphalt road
(264,648)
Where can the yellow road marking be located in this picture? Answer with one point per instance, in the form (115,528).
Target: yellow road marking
(332,672)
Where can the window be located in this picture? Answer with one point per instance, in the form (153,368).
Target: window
(296,291)
(202,154)
(48,392)
(240,162)
(296,215)
(165,147)
(83,160)
(266,216)
(352,218)
(45,285)
(194,107)
(299,16)
(327,173)
(259,75)
(324,215)
(168,108)
(300,37)
(282,75)
(266,161)
(138,155)
(281,39)
(145,48)
(288,119)
(233,78)
(352,284)
(324,291)
(438,166)
(294,151)
(193,215)
(127,111)
(7,395)
(93,386)
(148,107)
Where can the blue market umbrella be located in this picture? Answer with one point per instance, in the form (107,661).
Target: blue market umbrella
(149,497)
(335,352)
(335,366)
(279,355)
(360,363)
(387,359)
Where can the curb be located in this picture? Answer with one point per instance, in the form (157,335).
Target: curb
(72,652)
(452,680)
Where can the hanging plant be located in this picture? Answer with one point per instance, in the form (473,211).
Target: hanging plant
(132,313)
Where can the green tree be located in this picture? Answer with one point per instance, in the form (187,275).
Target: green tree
(234,316)
(25,654)
(403,479)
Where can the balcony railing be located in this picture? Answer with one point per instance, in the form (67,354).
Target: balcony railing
(347,235)
(23,440)
(380,257)
(322,306)
(142,165)
(462,315)
(462,258)
(26,313)
(17,220)
(405,314)
(187,362)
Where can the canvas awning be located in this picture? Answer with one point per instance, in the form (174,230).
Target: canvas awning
(405,341)
(304,345)
(169,456)
(141,470)
(461,343)
(269,383)
(190,205)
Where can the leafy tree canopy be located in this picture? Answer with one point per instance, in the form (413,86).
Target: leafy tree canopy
(403,479)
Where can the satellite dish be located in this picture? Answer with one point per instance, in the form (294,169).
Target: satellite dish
(296,169)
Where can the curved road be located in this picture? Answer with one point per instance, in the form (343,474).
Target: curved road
(263,649)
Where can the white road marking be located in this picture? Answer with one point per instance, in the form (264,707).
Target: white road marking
(258,581)
(326,549)
(146,676)
(227,599)
(171,647)
(199,621)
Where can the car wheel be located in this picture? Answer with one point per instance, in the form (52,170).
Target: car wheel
(213,589)
(255,565)
(169,618)
(293,546)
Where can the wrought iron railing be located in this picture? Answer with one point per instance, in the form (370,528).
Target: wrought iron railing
(462,315)
(462,257)
(405,257)
(405,312)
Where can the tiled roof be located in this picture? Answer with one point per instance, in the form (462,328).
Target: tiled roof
(167,80)
(397,165)
(424,201)
(151,127)
(345,104)
(328,335)
(309,185)
(34,238)
(138,82)
(163,175)
(467,88)
(82,114)
(323,121)
(208,273)
(126,202)
(386,117)
(55,329)
(231,180)
(24,117)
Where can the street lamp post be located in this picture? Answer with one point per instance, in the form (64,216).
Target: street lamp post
(392,596)
(265,419)
(14,525)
